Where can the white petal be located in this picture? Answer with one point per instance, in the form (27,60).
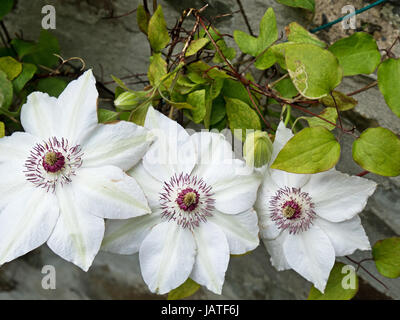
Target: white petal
(172,152)
(212,257)
(268,228)
(150,186)
(121,144)
(126,236)
(282,136)
(12,182)
(14,151)
(236,190)
(338,196)
(275,250)
(40,115)
(167,257)
(27,222)
(310,254)
(233,183)
(108,192)
(286,179)
(78,105)
(214,156)
(346,237)
(78,234)
(241,230)
(17,147)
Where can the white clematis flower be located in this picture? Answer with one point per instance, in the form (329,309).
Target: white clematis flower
(64,175)
(201,200)
(306,220)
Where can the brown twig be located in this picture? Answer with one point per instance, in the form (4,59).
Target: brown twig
(358,263)
(372,84)
(363,173)
(245,17)
(337,111)
(255,106)
(120,16)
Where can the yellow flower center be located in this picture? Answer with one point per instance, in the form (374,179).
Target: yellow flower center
(50,158)
(189,198)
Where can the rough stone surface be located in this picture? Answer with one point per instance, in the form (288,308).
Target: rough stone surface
(117,46)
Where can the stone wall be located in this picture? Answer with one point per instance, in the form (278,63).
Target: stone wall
(117,46)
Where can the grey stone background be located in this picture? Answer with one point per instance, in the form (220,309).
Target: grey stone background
(117,46)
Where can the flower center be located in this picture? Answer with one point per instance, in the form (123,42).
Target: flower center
(186,200)
(292,209)
(52,162)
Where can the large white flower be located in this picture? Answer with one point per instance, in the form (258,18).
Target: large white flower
(306,220)
(201,200)
(64,175)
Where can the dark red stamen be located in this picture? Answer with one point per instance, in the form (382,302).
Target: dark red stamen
(295,208)
(183,204)
(56,165)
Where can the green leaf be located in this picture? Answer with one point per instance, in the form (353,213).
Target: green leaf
(235,89)
(274,54)
(157,31)
(23,47)
(389,83)
(196,45)
(5,7)
(218,110)
(241,116)
(286,88)
(181,105)
(216,87)
(315,72)
(130,100)
(53,86)
(105,115)
(205,71)
(378,150)
(343,101)
(266,60)
(357,54)
(339,279)
(184,85)
(228,52)
(139,115)
(6,91)
(11,67)
(2,129)
(6,52)
(386,254)
(42,53)
(311,150)
(186,289)
(197,99)
(120,83)
(157,69)
(208,106)
(297,33)
(328,114)
(28,71)
(142,18)
(304,4)
(257,149)
(268,34)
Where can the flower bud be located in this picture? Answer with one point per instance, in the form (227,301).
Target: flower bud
(257,149)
